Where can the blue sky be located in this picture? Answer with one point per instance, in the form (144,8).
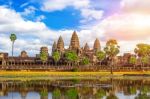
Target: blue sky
(40,22)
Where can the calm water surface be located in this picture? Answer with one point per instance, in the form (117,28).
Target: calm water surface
(110,88)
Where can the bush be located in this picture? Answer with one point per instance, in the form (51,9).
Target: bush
(75,70)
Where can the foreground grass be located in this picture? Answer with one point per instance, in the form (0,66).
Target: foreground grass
(64,74)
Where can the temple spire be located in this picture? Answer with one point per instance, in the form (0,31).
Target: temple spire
(60,44)
(74,44)
(96,46)
(86,47)
(54,47)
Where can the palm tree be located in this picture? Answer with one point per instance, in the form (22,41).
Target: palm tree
(111,50)
(56,56)
(13,38)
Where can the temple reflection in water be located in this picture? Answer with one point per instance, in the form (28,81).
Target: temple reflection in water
(76,89)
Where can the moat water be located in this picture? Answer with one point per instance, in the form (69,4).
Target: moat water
(102,88)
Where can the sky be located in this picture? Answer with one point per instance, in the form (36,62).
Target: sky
(39,23)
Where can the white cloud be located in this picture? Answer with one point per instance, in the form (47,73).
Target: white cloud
(141,6)
(91,14)
(30,10)
(88,12)
(54,5)
(40,18)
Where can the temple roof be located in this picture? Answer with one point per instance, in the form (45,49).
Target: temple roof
(96,44)
(60,44)
(86,47)
(74,41)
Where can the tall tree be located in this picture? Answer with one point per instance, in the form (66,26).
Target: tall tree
(143,52)
(100,56)
(145,60)
(132,60)
(13,38)
(71,56)
(56,56)
(44,56)
(111,50)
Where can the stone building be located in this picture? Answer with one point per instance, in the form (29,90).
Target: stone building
(75,46)
(60,45)
(24,54)
(96,46)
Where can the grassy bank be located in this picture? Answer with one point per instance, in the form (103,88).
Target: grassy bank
(65,74)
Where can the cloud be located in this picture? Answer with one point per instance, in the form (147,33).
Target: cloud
(141,6)
(126,26)
(13,22)
(88,12)
(40,18)
(91,14)
(55,5)
(30,10)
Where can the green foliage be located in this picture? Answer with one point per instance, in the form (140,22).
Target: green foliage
(56,56)
(100,94)
(13,37)
(71,56)
(72,93)
(132,60)
(145,60)
(145,89)
(112,48)
(85,61)
(75,70)
(111,96)
(142,96)
(100,55)
(44,92)
(44,56)
(142,50)
(56,94)
(132,90)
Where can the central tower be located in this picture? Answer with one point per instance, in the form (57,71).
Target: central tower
(74,43)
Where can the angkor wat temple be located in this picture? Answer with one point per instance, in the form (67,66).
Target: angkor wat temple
(26,62)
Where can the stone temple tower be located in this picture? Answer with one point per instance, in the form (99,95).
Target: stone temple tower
(54,47)
(74,44)
(60,44)
(86,47)
(96,46)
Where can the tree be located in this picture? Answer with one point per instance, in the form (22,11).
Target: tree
(85,61)
(100,56)
(44,56)
(144,60)
(112,96)
(56,94)
(132,60)
(111,50)
(143,52)
(72,93)
(100,94)
(56,56)
(71,56)
(44,94)
(13,38)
